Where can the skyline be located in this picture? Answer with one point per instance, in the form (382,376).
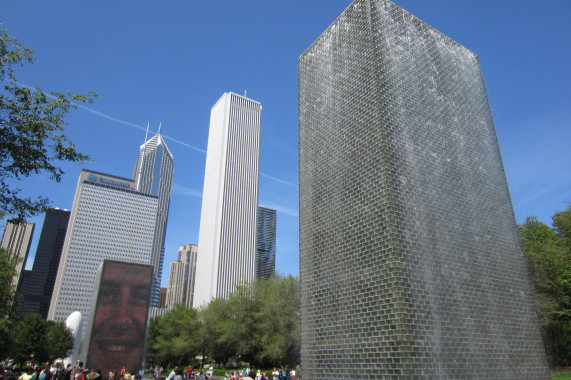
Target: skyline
(171,64)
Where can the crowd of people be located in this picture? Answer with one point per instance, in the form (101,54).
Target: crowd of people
(55,371)
(245,374)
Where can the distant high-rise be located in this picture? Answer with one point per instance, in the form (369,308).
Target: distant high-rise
(153,174)
(180,286)
(162,297)
(265,242)
(38,293)
(410,260)
(109,220)
(17,239)
(227,237)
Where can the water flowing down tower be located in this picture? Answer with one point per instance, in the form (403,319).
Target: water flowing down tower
(409,253)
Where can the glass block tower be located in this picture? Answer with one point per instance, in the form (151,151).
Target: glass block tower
(265,242)
(409,253)
(153,173)
(227,236)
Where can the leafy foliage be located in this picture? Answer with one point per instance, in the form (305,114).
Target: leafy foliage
(30,339)
(259,323)
(8,264)
(548,254)
(32,138)
(60,340)
(44,341)
(174,339)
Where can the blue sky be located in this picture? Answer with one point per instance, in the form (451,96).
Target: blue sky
(170,62)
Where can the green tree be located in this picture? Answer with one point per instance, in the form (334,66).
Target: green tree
(174,338)
(7,297)
(30,340)
(259,323)
(32,131)
(40,340)
(221,330)
(59,340)
(548,254)
(278,328)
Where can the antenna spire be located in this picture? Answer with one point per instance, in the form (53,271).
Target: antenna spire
(142,155)
(147,133)
(160,124)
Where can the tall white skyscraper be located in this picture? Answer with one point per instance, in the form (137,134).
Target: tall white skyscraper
(180,288)
(109,220)
(227,237)
(153,174)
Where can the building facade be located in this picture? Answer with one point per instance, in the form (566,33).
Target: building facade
(162,297)
(153,174)
(227,237)
(17,238)
(410,260)
(109,220)
(42,277)
(265,242)
(180,288)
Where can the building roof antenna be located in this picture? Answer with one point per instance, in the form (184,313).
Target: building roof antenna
(142,154)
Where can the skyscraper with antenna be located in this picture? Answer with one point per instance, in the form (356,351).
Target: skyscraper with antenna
(153,174)
(114,218)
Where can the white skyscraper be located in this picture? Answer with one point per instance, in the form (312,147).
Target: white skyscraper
(153,174)
(114,218)
(180,288)
(227,237)
(109,220)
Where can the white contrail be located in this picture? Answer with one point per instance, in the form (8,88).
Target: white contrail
(95,112)
(144,129)
(278,180)
(109,117)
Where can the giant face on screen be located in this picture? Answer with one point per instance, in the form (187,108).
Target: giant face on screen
(118,332)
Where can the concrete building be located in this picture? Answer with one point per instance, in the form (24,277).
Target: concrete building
(162,297)
(42,277)
(180,288)
(227,237)
(153,174)
(17,238)
(109,220)
(265,242)
(410,260)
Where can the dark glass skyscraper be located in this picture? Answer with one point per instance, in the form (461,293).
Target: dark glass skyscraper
(409,253)
(265,242)
(38,292)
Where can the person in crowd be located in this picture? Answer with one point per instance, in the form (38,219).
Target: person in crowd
(172,375)
(27,374)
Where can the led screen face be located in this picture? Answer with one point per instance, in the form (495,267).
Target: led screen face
(118,333)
